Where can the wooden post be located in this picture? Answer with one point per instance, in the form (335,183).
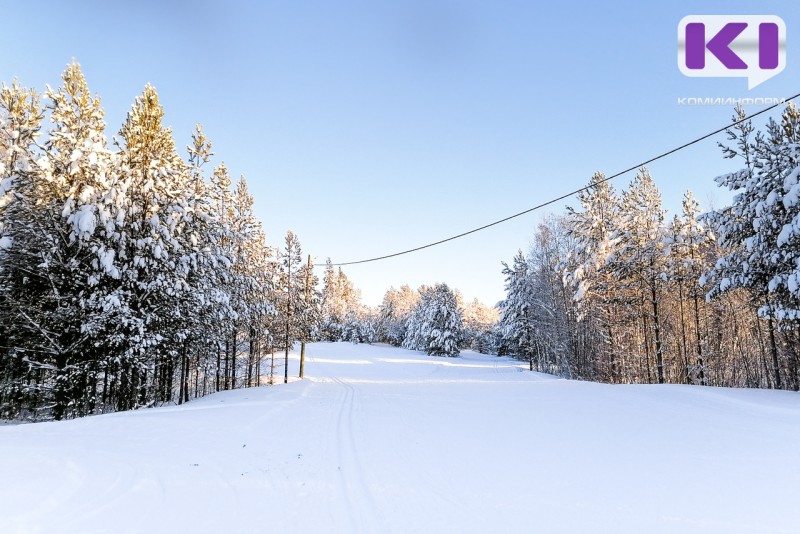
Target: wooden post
(308,299)
(288,318)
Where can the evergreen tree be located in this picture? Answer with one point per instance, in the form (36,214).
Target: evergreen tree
(435,324)
(688,247)
(517,323)
(291,303)
(759,231)
(586,270)
(341,307)
(640,259)
(85,190)
(22,279)
(479,320)
(120,270)
(393,314)
(151,248)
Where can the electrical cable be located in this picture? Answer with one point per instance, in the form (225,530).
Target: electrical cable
(575,192)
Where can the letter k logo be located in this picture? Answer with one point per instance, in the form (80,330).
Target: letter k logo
(719,45)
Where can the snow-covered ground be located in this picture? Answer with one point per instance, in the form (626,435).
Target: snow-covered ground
(384,440)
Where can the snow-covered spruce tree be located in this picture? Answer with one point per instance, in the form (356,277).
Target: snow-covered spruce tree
(84,172)
(360,325)
(592,229)
(367,325)
(517,325)
(22,276)
(62,219)
(435,324)
(413,338)
(760,230)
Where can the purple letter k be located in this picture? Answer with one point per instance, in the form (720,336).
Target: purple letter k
(719,45)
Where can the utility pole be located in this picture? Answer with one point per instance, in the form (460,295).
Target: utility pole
(288,319)
(308,301)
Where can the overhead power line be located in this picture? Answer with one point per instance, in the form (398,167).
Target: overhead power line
(571,193)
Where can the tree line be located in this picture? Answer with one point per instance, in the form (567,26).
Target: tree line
(614,291)
(130,276)
(433,319)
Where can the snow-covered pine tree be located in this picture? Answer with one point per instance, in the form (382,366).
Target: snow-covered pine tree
(254,282)
(560,342)
(639,261)
(246,241)
(116,269)
(760,231)
(688,248)
(592,229)
(151,251)
(393,314)
(309,315)
(222,199)
(479,320)
(290,297)
(207,306)
(340,306)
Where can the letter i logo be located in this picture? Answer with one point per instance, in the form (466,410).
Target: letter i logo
(747,46)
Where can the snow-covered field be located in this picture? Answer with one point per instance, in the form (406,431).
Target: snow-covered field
(380,440)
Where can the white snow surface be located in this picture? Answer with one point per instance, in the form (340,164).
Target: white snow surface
(378,439)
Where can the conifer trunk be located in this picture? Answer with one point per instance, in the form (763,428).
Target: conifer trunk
(700,363)
(234,351)
(773,346)
(657,333)
(684,338)
(216,377)
(251,357)
(226,370)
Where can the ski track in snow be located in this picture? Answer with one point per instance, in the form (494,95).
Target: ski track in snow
(355,490)
(383,440)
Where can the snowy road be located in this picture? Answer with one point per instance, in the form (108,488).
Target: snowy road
(384,440)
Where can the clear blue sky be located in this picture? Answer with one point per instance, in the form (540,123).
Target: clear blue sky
(370,127)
